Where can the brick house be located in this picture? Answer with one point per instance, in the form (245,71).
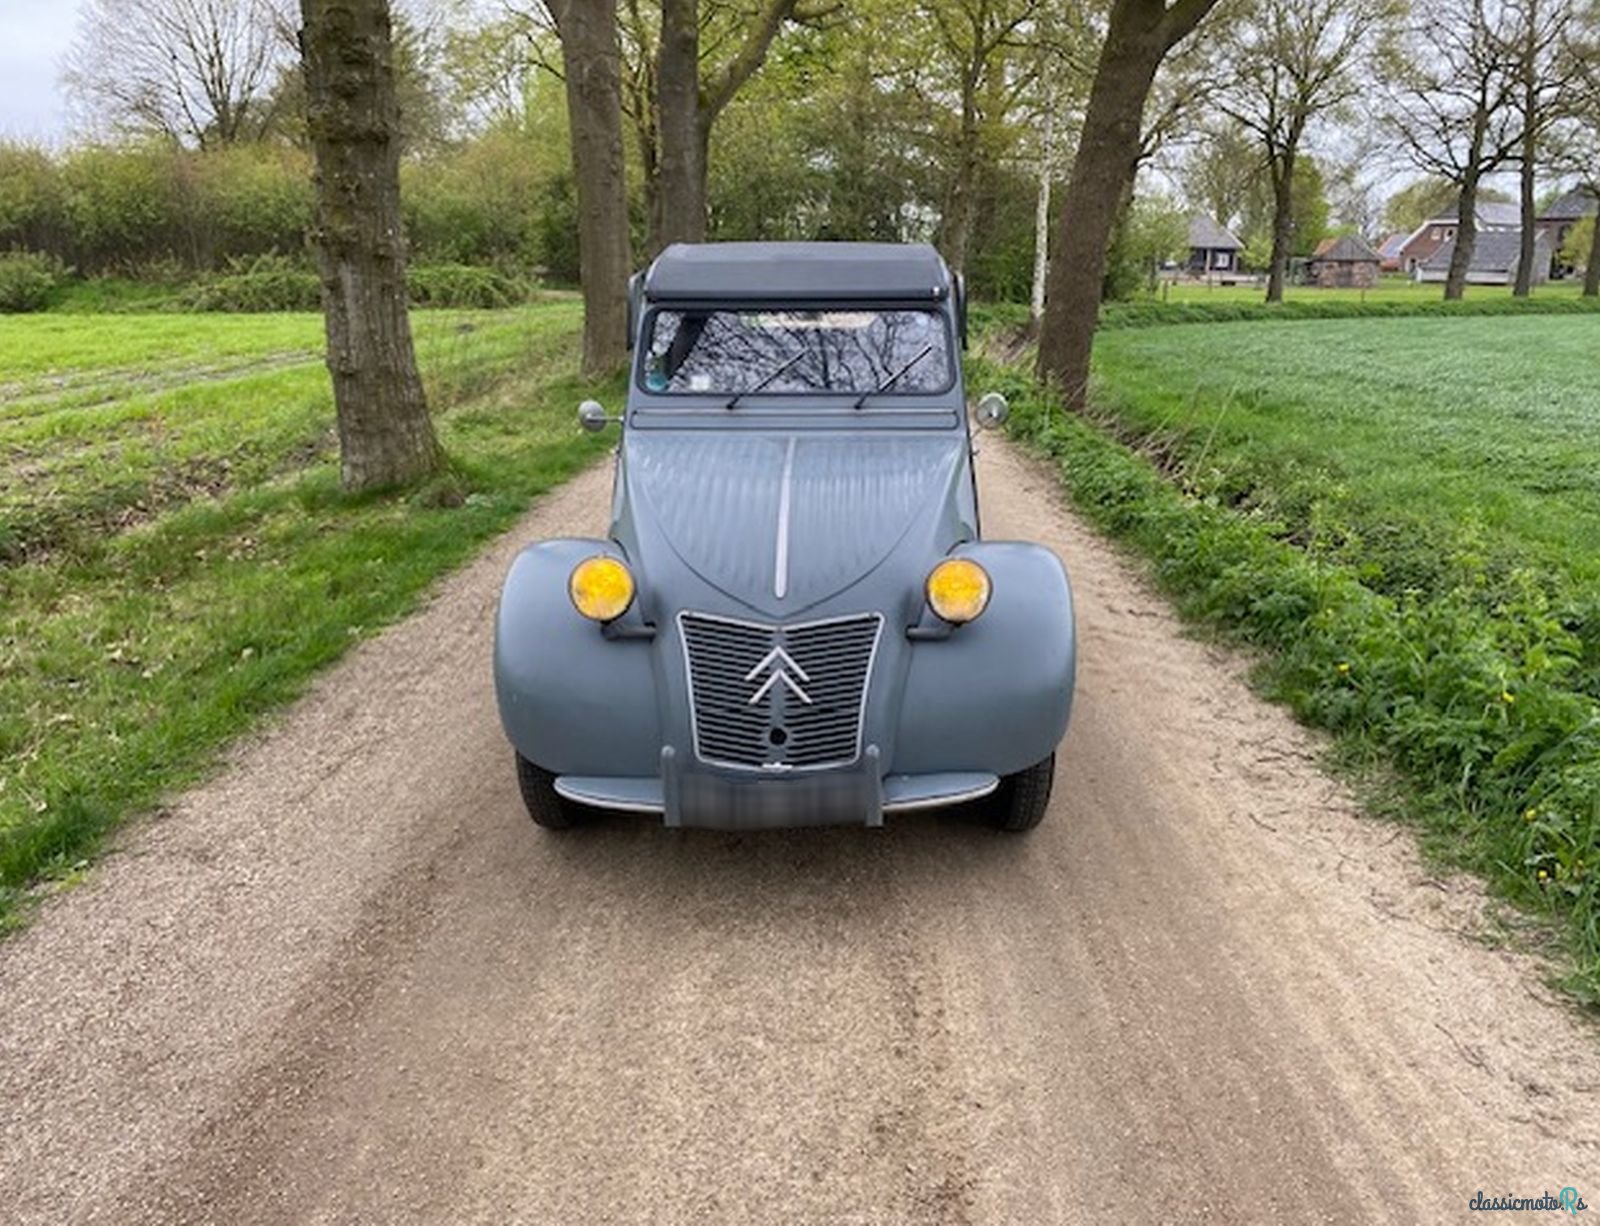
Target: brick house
(1389,252)
(1557,222)
(1434,233)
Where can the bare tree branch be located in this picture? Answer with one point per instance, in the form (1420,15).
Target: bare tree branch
(200,72)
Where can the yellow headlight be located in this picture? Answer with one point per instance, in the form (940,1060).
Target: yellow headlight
(601,588)
(958,590)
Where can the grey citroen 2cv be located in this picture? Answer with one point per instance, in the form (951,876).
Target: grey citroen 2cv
(794,620)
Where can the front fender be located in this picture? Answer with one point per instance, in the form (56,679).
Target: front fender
(997,694)
(572,700)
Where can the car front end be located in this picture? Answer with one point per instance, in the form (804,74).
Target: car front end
(793,620)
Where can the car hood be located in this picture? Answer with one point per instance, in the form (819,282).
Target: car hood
(781,522)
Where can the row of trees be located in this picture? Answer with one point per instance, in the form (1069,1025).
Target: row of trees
(1475,86)
(1458,91)
(946,118)
(1011,132)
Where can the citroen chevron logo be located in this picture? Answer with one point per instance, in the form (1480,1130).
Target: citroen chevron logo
(782,665)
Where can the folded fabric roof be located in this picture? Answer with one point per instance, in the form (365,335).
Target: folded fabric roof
(774,272)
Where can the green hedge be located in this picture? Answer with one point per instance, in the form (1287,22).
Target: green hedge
(464,286)
(504,199)
(268,283)
(28,280)
(272,283)
(1149,314)
(1471,706)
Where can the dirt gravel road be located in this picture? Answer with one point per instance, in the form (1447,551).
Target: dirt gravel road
(348,981)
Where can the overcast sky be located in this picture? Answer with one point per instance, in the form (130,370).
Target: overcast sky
(33,37)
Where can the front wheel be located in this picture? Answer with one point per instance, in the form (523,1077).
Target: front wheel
(1019,803)
(546,806)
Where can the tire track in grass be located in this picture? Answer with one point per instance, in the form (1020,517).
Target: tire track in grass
(74,473)
(76,391)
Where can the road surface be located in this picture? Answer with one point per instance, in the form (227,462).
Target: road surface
(348,981)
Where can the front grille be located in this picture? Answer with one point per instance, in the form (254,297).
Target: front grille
(778,696)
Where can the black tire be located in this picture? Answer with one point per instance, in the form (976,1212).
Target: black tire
(546,806)
(1019,803)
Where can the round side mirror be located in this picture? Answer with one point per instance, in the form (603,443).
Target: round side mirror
(592,416)
(991,410)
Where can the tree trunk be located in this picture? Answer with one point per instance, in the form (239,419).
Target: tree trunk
(588,30)
(1108,153)
(1591,270)
(1525,258)
(686,108)
(1455,283)
(956,224)
(1530,149)
(1282,223)
(385,434)
(1041,210)
(680,200)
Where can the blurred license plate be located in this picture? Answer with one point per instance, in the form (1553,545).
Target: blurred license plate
(808,800)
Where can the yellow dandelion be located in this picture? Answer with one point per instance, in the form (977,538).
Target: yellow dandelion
(1530,815)
(1506,696)
(1543,876)
(1343,667)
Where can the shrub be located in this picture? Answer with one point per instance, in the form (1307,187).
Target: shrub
(266,283)
(555,229)
(277,283)
(27,280)
(463,286)
(31,199)
(249,200)
(1150,232)
(1575,251)
(122,207)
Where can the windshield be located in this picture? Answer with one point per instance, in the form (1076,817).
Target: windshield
(787,351)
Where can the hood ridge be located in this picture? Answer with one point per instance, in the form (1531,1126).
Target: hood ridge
(828,508)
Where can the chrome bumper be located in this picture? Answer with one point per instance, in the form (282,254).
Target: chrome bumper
(690,797)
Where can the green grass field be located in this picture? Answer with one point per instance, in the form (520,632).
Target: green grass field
(1388,289)
(1423,451)
(1403,514)
(176,557)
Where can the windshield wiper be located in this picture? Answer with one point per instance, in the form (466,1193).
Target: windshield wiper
(892,379)
(765,379)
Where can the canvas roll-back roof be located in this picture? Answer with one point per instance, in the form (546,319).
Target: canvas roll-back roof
(797,272)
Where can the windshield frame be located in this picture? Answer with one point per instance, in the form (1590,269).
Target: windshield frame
(651,400)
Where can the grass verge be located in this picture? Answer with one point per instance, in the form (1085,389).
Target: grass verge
(127,660)
(1474,704)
